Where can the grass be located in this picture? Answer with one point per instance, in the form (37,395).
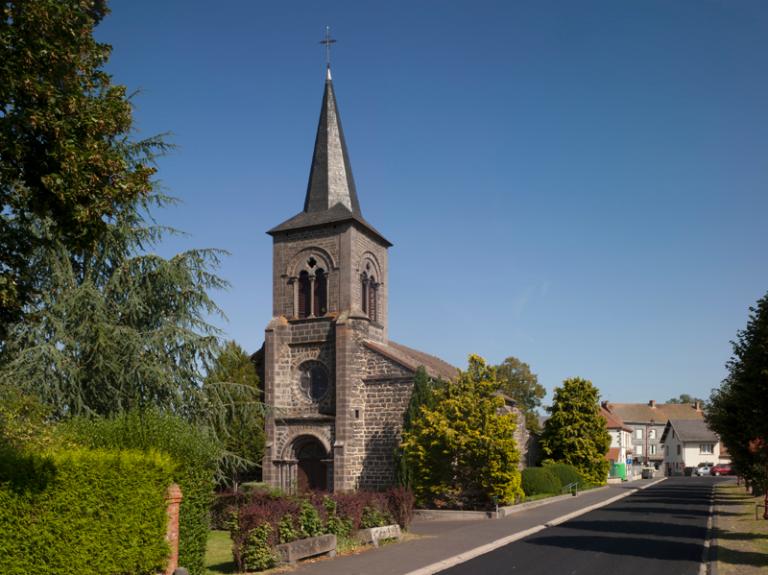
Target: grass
(218,554)
(742,541)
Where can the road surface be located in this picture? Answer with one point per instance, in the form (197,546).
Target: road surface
(658,531)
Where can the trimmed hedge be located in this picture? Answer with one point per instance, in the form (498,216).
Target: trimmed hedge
(192,449)
(566,473)
(540,480)
(84,512)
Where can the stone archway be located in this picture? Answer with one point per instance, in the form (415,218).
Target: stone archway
(312,466)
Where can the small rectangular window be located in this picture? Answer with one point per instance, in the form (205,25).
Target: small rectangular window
(707,448)
(638,433)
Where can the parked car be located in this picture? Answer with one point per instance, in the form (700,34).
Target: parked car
(703,469)
(722,469)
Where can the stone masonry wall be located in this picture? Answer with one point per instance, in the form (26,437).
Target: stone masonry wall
(385,402)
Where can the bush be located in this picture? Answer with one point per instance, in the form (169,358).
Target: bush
(267,519)
(83,511)
(566,473)
(194,452)
(540,480)
(401,501)
(224,508)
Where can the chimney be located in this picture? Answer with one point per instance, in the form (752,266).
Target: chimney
(652,404)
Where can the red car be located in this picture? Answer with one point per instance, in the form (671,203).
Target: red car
(722,469)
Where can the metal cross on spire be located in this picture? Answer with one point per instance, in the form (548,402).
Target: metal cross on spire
(327,41)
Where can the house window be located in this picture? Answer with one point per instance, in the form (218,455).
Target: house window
(638,433)
(651,450)
(707,448)
(652,434)
(638,449)
(678,450)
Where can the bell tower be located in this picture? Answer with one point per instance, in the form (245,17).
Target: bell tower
(329,286)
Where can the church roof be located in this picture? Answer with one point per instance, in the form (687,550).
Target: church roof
(413,358)
(331,193)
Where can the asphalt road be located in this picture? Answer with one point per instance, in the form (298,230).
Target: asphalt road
(658,531)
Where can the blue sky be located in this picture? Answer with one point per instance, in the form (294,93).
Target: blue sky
(587,182)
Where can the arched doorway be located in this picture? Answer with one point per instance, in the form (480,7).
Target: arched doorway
(312,468)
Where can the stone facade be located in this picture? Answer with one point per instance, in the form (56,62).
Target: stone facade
(336,385)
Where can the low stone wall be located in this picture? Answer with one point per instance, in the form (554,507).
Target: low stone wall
(376,534)
(303,548)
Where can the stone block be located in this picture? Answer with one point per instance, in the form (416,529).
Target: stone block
(376,534)
(310,547)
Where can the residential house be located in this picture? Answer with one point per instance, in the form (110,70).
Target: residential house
(620,452)
(647,421)
(689,443)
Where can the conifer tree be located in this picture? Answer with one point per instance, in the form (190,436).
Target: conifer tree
(422,395)
(737,409)
(462,450)
(575,432)
(232,382)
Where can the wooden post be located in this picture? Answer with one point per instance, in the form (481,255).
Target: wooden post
(173,499)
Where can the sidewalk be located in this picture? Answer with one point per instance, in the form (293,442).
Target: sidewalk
(440,542)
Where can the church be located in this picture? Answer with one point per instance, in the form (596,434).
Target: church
(335,384)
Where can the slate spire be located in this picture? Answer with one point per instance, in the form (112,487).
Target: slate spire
(330,177)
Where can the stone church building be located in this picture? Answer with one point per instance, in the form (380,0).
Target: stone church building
(336,383)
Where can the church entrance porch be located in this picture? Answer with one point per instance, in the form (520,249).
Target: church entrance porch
(307,466)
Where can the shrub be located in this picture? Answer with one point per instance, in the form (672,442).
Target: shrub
(291,518)
(83,511)
(258,554)
(192,449)
(540,480)
(401,501)
(566,473)
(224,508)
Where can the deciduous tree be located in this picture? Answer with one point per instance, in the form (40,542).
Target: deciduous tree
(575,432)
(66,153)
(518,381)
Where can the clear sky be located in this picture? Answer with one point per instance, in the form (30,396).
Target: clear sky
(583,185)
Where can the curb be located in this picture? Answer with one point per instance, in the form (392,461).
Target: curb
(433,568)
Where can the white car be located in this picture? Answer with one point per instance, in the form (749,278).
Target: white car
(702,470)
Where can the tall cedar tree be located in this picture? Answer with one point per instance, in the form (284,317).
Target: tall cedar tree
(737,409)
(518,381)
(66,156)
(462,450)
(422,395)
(232,382)
(575,432)
(107,326)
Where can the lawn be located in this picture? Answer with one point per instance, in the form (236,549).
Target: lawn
(218,555)
(742,541)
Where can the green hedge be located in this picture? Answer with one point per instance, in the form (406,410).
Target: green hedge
(566,473)
(191,448)
(83,512)
(539,480)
